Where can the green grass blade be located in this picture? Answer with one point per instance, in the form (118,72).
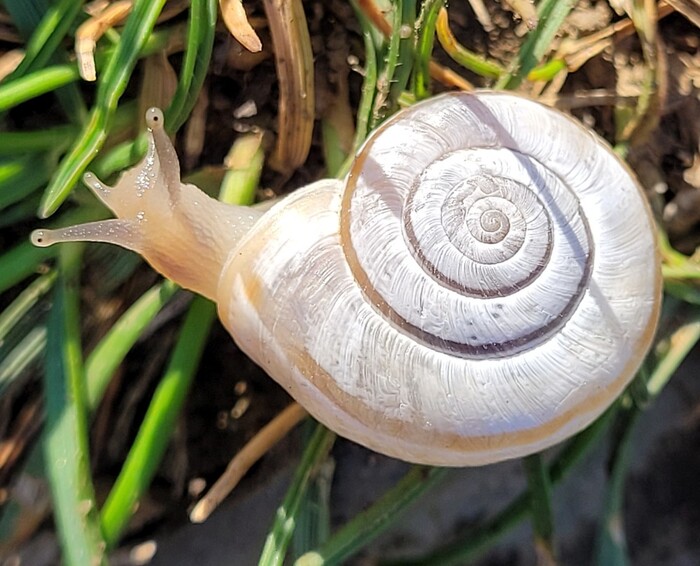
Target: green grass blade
(35,84)
(17,353)
(684,291)
(540,489)
(397,63)
(21,262)
(313,522)
(112,83)
(24,354)
(681,340)
(369,89)
(200,42)
(154,434)
(612,544)
(551,14)
(404,21)
(26,14)
(369,83)
(47,80)
(65,434)
(44,25)
(47,36)
(21,176)
(23,211)
(277,540)
(461,55)
(26,300)
(103,361)
(242,180)
(369,524)
(56,138)
(119,157)
(155,431)
(425,30)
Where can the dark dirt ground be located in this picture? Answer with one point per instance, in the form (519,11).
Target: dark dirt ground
(662,494)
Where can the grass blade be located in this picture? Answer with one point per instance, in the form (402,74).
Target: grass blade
(551,14)
(21,176)
(369,524)
(460,54)
(20,143)
(612,544)
(65,435)
(425,30)
(154,434)
(155,431)
(24,354)
(369,83)
(44,26)
(19,308)
(540,489)
(313,522)
(47,36)
(277,540)
(113,82)
(200,42)
(404,20)
(103,361)
(35,84)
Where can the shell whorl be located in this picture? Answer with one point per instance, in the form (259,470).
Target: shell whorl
(483,285)
(473,223)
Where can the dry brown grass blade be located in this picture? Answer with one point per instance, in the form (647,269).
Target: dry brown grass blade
(482,14)
(689,8)
(258,446)
(92,29)
(526,10)
(448,77)
(9,61)
(441,74)
(104,16)
(236,20)
(24,428)
(295,75)
(644,15)
(158,84)
(196,130)
(577,53)
(375,15)
(585,99)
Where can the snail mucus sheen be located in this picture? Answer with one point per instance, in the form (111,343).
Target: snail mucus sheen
(483,284)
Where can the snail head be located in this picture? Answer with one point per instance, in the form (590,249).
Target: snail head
(182,232)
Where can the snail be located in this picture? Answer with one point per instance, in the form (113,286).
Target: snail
(482,285)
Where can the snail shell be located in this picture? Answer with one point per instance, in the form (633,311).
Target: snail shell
(483,284)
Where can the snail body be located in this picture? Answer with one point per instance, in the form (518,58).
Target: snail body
(474,290)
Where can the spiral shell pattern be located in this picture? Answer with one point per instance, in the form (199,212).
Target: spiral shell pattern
(479,230)
(483,284)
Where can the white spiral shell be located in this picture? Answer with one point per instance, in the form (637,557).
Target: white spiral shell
(483,284)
